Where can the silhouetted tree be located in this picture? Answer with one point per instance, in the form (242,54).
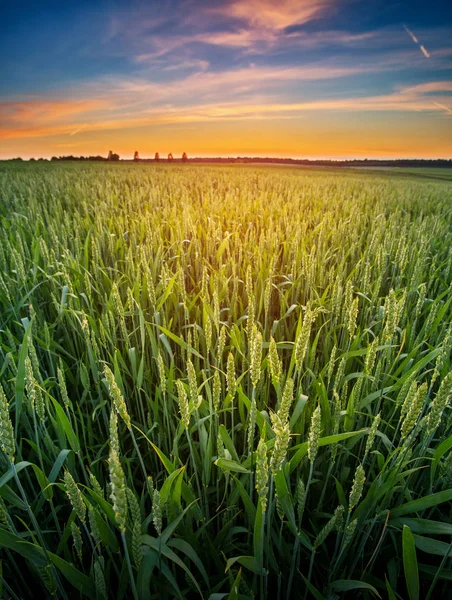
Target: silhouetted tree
(157,156)
(184,157)
(135,156)
(110,154)
(113,156)
(170,157)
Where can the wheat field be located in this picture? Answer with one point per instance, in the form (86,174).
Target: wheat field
(224,382)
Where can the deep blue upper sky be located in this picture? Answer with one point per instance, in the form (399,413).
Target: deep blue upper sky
(77,68)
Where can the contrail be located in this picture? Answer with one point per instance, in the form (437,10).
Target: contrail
(446,108)
(411,34)
(78,130)
(416,41)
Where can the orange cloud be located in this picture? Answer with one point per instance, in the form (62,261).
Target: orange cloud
(253,24)
(268,14)
(43,115)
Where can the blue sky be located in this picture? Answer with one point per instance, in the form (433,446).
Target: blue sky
(295,78)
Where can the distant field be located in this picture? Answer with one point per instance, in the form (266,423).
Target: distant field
(426,172)
(222,382)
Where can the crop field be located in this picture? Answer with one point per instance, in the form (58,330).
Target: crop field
(222,382)
(434,173)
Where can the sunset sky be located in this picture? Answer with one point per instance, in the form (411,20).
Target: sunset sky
(306,78)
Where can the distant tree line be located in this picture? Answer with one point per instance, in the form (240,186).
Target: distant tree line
(440,162)
(89,158)
(112,156)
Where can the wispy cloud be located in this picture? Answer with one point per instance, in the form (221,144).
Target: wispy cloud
(128,105)
(246,25)
(42,116)
(430,87)
(140,94)
(48,110)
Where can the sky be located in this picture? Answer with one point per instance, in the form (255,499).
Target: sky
(286,78)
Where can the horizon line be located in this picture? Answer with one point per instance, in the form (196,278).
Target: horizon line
(165,158)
